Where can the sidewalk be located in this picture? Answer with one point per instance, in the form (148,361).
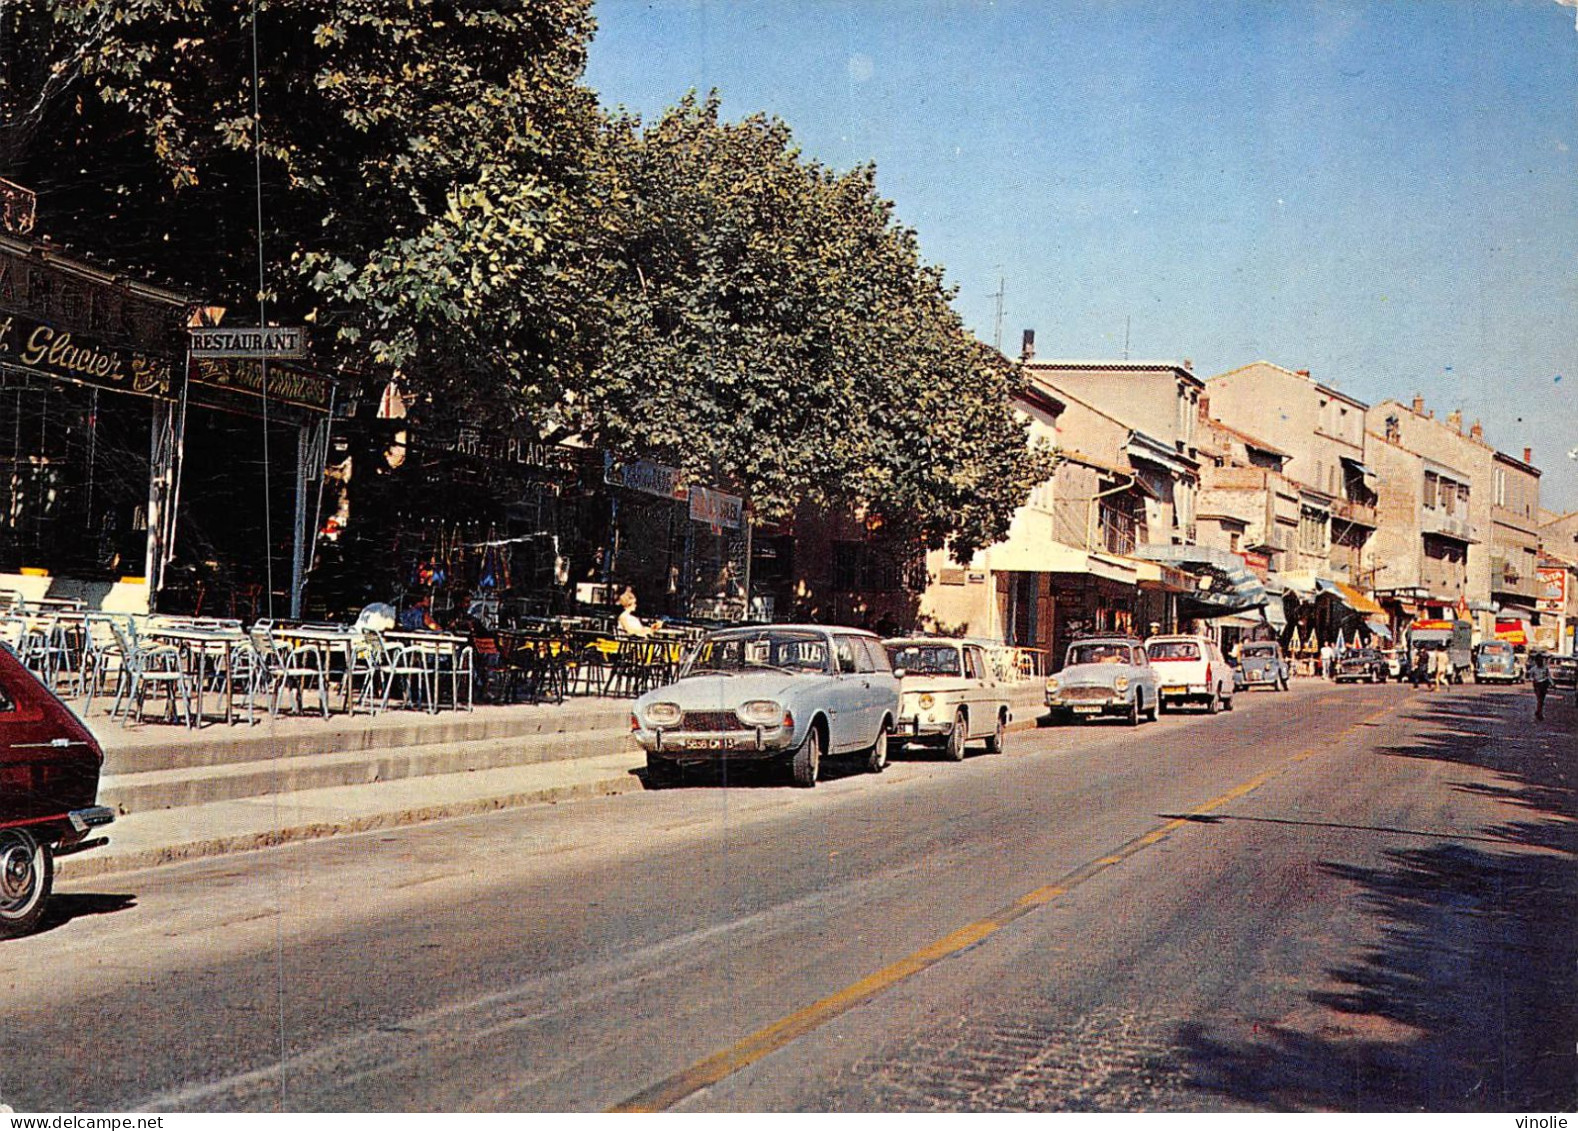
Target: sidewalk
(184,794)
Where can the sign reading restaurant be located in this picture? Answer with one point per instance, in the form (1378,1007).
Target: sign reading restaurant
(271,343)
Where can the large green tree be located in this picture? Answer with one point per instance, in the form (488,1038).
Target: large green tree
(424,172)
(773,325)
(440,193)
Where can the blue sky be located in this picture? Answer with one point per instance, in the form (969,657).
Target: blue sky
(1385,194)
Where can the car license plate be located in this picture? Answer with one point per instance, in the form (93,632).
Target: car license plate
(708,743)
(1254,677)
(1087,710)
(1175,690)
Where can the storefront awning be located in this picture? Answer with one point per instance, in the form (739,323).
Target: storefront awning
(1223,583)
(1275,616)
(1354,599)
(1058,557)
(1379,628)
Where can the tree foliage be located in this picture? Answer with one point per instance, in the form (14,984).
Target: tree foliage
(772,325)
(439,192)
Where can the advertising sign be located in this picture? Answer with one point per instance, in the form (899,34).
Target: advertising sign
(716,508)
(1553,589)
(648,478)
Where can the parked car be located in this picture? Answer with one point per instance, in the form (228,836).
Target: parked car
(1104,675)
(787,693)
(1191,669)
(948,695)
(1262,664)
(49,778)
(1564,671)
(1496,661)
(1361,664)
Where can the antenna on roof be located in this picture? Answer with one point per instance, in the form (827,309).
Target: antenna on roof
(997,324)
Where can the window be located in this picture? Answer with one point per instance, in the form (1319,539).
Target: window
(876,655)
(972,663)
(1394,429)
(1432,487)
(1501,486)
(844,649)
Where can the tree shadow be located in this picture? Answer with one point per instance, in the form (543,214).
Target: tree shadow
(1468,1001)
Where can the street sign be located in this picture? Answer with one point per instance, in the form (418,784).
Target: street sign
(257,343)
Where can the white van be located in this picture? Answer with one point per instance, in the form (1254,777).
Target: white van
(1191,669)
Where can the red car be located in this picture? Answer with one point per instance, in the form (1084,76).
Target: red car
(49,776)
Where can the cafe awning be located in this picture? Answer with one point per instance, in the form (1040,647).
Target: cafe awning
(1223,583)
(1371,479)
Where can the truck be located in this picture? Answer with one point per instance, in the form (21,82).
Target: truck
(1456,636)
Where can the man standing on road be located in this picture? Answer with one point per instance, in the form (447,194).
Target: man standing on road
(1440,666)
(1540,676)
(1325,661)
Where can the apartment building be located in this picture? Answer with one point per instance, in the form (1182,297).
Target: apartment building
(1491,517)
(1320,432)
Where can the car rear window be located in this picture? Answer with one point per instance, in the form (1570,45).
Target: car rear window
(1173,650)
(922,659)
(1258,651)
(1099,654)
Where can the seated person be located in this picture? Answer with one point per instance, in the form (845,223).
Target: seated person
(628,623)
(419,616)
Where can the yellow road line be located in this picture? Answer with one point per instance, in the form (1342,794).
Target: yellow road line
(668,1092)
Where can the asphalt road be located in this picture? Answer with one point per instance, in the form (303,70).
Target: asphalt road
(1354,898)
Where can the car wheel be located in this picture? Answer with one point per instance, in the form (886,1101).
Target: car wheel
(877,758)
(1156,708)
(27,872)
(954,750)
(997,740)
(1133,718)
(807,761)
(1227,704)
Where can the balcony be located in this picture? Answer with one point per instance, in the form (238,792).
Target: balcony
(1507,581)
(1442,525)
(1355,514)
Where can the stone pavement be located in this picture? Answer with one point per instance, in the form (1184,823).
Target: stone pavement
(182,794)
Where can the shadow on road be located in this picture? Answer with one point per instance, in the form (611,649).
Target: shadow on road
(63,908)
(1470,1000)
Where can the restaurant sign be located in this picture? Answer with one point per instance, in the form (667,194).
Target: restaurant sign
(642,475)
(716,508)
(60,353)
(289,386)
(257,343)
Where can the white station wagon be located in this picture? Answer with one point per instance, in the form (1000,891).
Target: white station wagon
(780,692)
(948,695)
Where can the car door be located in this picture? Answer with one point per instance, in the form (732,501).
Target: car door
(851,694)
(979,692)
(884,684)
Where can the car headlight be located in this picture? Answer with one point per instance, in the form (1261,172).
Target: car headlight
(1052,686)
(663,714)
(925,701)
(1120,684)
(760,712)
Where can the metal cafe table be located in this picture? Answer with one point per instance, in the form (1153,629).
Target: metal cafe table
(205,650)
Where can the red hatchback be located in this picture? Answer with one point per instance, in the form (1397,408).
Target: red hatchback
(49,776)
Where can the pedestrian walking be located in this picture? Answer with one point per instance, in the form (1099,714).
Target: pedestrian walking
(1440,668)
(1325,661)
(1419,670)
(1540,677)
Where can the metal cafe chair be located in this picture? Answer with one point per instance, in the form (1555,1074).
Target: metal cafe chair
(146,664)
(285,668)
(415,666)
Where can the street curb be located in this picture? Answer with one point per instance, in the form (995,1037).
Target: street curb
(88,865)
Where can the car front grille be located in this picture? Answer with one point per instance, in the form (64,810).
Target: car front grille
(1077,694)
(712,721)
